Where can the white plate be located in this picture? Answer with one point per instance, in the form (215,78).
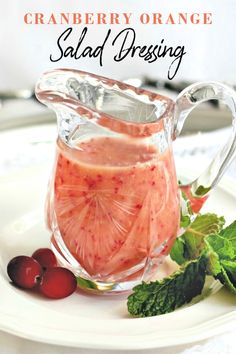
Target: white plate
(85,320)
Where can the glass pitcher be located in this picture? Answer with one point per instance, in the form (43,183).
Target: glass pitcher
(113,203)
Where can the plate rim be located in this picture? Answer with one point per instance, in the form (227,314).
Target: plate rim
(147,341)
(181,337)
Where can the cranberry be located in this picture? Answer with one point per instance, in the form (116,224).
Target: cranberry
(45,257)
(24,271)
(57,283)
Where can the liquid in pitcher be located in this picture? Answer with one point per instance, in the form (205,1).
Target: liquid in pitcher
(116,203)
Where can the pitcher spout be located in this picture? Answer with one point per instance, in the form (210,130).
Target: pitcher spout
(79,97)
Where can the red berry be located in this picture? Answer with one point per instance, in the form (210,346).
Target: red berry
(45,257)
(24,271)
(57,283)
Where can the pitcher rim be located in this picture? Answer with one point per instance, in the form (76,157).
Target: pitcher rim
(51,96)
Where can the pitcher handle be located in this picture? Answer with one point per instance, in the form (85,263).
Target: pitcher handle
(187,100)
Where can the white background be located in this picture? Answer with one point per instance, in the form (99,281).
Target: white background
(25,49)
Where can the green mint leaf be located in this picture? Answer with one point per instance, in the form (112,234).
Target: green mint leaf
(201,191)
(230,268)
(225,278)
(195,235)
(191,243)
(228,275)
(222,246)
(222,256)
(178,250)
(166,295)
(186,213)
(230,232)
(213,263)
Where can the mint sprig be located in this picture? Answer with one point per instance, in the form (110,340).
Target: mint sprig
(222,250)
(191,243)
(204,248)
(166,295)
(224,243)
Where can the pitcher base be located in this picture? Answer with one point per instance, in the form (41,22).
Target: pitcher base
(113,286)
(105,288)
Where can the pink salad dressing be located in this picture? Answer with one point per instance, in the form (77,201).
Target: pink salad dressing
(116,202)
